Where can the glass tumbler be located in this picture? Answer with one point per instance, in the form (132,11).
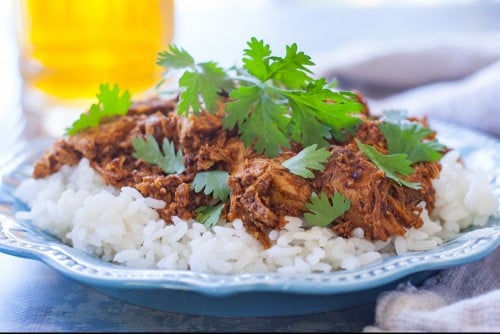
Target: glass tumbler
(68,47)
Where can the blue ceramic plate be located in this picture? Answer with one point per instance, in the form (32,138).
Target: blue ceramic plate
(248,295)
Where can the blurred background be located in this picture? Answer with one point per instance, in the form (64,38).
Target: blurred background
(415,54)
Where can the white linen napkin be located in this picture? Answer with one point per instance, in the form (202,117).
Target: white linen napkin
(459,81)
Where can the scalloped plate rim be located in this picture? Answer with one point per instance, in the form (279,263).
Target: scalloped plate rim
(223,285)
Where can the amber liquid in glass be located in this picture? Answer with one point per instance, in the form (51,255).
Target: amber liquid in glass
(69,47)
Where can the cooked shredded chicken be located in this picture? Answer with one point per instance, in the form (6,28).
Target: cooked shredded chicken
(263,192)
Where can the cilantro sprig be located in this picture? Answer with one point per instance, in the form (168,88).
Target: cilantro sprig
(215,183)
(149,150)
(307,159)
(323,210)
(212,182)
(201,83)
(403,136)
(407,144)
(271,99)
(284,95)
(209,215)
(391,164)
(110,103)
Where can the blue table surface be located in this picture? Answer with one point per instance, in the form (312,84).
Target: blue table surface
(36,298)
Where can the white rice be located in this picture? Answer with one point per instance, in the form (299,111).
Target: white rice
(124,227)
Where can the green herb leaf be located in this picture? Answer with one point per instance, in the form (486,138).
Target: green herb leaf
(256,61)
(244,99)
(322,212)
(291,71)
(392,164)
(408,138)
(333,109)
(268,115)
(308,158)
(272,99)
(200,83)
(306,129)
(175,58)
(209,216)
(110,103)
(213,182)
(265,126)
(168,160)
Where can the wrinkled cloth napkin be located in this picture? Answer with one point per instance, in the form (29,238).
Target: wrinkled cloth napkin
(457,81)
(462,299)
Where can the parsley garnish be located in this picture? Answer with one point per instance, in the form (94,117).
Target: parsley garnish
(275,99)
(322,212)
(168,160)
(109,103)
(208,215)
(391,164)
(213,182)
(408,138)
(308,158)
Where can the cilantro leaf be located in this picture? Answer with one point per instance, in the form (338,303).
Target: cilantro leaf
(272,99)
(392,164)
(322,212)
(168,160)
(333,109)
(213,182)
(256,61)
(407,137)
(306,129)
(202,84)
(209,216)
(243,100)
(214,80)
(189,97)
(110,103)
(308,158)
(268,115)
(175,58)
(291,71)
(264,126)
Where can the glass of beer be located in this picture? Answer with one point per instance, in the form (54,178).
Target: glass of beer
(68,47)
